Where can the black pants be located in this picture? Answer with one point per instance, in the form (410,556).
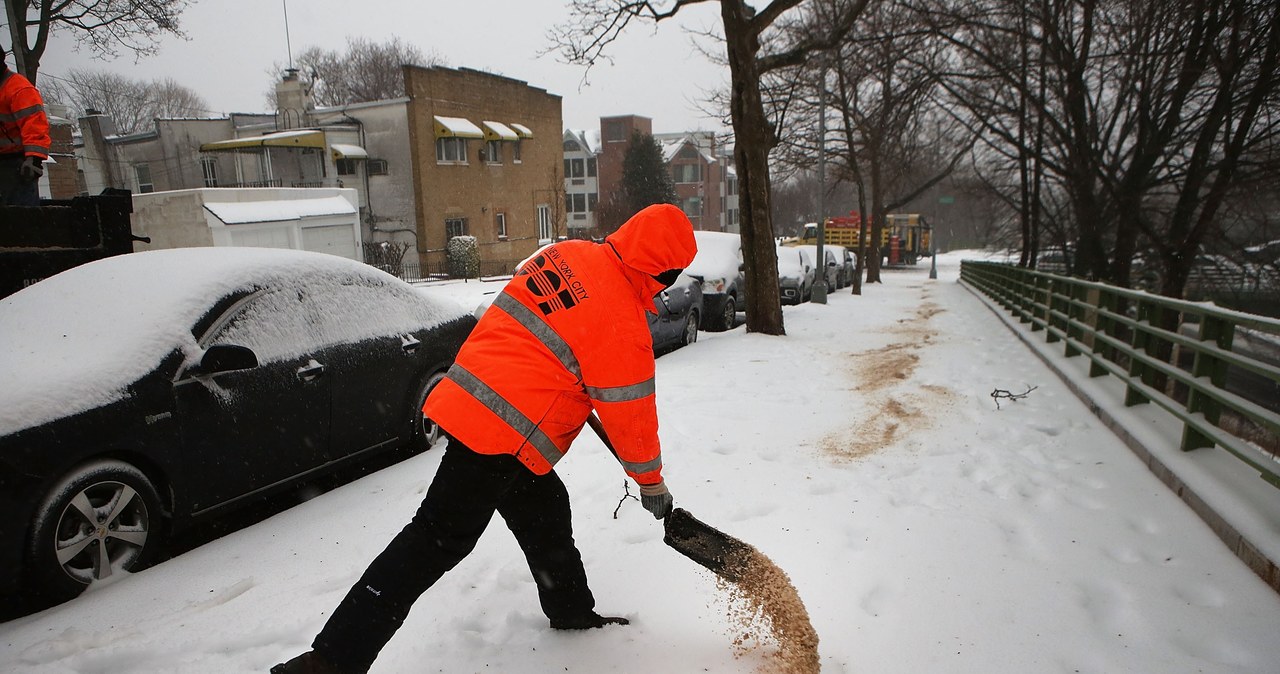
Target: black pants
(467,490)
(14,189)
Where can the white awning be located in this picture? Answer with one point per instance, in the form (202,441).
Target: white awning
(300,138)
(456,127)
(344,151)
(498,131)
(522,130)
(282,210)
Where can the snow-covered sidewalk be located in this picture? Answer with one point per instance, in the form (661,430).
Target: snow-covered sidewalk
(925,529)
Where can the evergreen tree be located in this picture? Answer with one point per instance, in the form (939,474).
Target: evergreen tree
(645,179)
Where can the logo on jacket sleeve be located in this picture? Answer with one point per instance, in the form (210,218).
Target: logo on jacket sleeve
(552,281)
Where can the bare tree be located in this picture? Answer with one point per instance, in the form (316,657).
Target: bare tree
(754,45)
(365,71)
(132,104)
(1145,113)
(106,27)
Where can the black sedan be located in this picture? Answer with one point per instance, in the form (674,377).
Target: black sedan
(147,392)
(679,313)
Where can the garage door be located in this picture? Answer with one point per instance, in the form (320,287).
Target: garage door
(334,239)
(267,237)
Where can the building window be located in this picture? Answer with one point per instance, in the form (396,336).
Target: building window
(209,167)
(591,202)
(493,152)
(574,168)
(591,167)
(376,167)
(143,173)
(571,146)
(454,227)
(500,219)
(451,150)
(687,173)
(687,152)
(615,131)
(575,202)
(733,184)
(692,206)
(346,167)
(515,151)
(544,222)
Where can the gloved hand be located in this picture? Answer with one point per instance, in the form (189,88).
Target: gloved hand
(31,168)
(656,499)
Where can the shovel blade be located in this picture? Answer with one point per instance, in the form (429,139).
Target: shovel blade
(719,552)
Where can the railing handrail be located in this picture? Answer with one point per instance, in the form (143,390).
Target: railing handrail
(1141,348)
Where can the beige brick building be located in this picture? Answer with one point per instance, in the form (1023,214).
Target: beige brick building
(486,159)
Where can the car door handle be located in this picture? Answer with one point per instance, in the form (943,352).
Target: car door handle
(409,344)
(310,371)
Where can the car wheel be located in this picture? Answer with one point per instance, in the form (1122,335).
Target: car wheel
(425,431)
(102,519)
(690,333)
(729,314)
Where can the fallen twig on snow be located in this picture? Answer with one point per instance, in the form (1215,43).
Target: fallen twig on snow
(626,489)
(997,394)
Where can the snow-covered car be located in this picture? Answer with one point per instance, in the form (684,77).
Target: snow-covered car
(795,275)
(147,392)
(724,288)
(679,313)
(832,268)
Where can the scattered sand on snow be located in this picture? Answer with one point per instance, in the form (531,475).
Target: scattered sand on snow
(767,612)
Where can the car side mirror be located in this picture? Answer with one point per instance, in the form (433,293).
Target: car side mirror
(226,358)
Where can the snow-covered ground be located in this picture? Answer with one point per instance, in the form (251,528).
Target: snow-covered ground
(925,529)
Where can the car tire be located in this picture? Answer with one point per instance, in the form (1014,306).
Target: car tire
(689,334)
(425,431)
(101,519)
(728,314)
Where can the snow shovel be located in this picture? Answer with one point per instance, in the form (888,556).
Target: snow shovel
(715,550)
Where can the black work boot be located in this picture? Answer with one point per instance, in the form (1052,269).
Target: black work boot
(307,663)
(586,622)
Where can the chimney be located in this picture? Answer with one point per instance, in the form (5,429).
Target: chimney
(293,101)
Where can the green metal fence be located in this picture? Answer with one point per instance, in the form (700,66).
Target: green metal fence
(1216,370)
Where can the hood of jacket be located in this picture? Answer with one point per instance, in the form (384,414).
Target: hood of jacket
(657,239)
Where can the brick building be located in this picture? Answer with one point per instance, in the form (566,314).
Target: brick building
(486,160)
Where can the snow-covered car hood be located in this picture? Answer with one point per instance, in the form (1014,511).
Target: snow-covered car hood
(77,340)
(717,258)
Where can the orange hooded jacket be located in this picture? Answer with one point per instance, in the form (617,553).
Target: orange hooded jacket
(568,335)
(24,127)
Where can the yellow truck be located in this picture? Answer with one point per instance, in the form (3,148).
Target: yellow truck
(904,239)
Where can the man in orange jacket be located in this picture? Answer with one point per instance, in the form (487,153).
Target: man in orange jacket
(24,139)
(567,336)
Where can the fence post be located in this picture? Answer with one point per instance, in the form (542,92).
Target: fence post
(1105,306)
(1141,342)
(1075,314)
(1222,333)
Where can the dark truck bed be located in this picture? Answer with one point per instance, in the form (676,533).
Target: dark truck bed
(38,242)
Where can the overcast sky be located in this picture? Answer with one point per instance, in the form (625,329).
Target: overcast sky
(233,44)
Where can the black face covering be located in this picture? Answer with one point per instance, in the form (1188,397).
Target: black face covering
(668,277)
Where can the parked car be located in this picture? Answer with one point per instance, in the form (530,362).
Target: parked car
(832,268)
(795,275)
(848,266)
(724,288)
(679,314)
(143,393)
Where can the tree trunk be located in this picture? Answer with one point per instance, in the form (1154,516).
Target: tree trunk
(753,139)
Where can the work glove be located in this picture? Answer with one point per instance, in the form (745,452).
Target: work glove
(656,499)
(31,168)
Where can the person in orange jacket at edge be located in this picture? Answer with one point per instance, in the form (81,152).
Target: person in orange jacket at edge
(24,138)
(566,336)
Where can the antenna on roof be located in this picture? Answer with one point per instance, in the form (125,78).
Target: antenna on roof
(287,43)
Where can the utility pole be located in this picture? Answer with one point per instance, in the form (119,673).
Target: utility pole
(820,264)
(17,34)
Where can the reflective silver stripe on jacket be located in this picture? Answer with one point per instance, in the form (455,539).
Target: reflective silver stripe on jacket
(507,412)
(541,330)
(622,394)
(641,468)
(19,114)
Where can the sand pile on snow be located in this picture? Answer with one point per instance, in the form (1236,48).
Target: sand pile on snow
(765,610)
